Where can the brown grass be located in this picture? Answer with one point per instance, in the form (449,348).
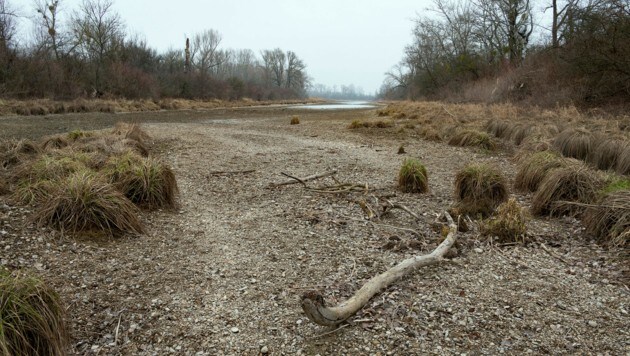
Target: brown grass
(479,189)
(83,201)
(508,224)
(131,131)
(497,127)
(606,154)
(623,161)
(32,318)
(575,143)
(609,220)
(564,191)
(14,152)
(55,142)
(473,138)
(533,170)
(145,181)
(412,177)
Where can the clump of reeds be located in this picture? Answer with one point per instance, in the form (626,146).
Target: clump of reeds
(606,154)
(479,189)
(497,127)
(566,190)
(623,161)
(357,124)
(575,143)
(534,168)
(295,120)
(84,201)
(609,220)
(145,181)
(32,318)
(412,177)
(508,224)
(473,138)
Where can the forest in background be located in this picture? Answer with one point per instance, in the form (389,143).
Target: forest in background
(86,52)
(483,51)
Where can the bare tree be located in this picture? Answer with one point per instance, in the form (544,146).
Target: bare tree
(205,55)
(48,12)
(274,64)
(506,24)
(295,78)
(99,34)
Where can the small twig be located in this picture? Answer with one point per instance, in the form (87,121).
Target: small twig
(302,180)
(216,173)
(448,112)
(292,177)
(402,207)
(554,255)
(330,332)
(117,328)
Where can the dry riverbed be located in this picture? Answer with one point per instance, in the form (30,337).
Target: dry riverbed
(224,273)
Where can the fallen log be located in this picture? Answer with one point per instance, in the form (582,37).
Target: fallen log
(315,307)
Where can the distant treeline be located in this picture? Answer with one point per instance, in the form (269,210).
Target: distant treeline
(344,92)
(483,50)
(87,52)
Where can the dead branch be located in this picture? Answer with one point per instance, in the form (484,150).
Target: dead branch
(217,173)
(401,207)
(341,188)
(554,255)
(295,180)
(315,307)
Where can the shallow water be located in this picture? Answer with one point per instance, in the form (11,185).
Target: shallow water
(340,105)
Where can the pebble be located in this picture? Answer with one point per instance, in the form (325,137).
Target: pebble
(234,330)
(264,350)
(478,250)
(592,323)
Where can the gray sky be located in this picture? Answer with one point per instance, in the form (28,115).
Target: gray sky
(341,41)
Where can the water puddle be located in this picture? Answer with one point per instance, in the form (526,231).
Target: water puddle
(338,106)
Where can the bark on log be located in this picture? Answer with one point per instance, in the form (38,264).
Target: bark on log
(315,307)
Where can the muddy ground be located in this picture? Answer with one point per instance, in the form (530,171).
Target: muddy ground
(224,273)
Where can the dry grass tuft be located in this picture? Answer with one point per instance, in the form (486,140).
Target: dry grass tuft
(83,201)
(473,138)
(497,127)
(564,191)
(412,177)
(479,189)
(533,169)
(4,186)
(382,124)
(145,181)
(32,319)
(508,224)
(14,152)
(295,120)
(623,161)
(609,221)
(401,150)
(55,142)
(607,153)
(575,143)
(131,131)
(357,124)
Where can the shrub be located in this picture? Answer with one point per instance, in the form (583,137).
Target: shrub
(565,191)
(145,181)
(472,138)
(32,319)
(609,221)
(85,202)
(412,177)
(533,169)
(479,189)
(508,224)
(575,143)
(295,120)
(607,153)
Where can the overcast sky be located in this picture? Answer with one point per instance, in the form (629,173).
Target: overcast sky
(341,41)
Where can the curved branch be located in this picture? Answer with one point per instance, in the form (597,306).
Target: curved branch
(314,305)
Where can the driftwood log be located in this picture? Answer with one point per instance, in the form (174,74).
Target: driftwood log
(315,307)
